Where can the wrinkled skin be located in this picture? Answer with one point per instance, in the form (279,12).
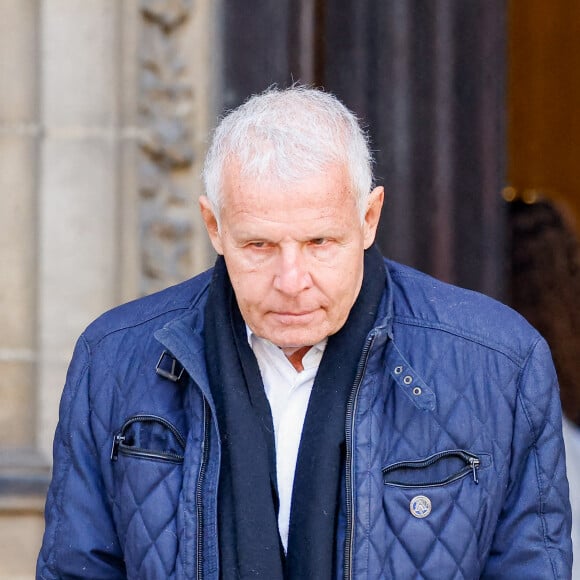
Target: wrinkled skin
(294,252)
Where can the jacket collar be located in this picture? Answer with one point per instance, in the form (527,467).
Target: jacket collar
(183,339)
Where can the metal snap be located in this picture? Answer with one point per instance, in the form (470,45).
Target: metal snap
(420,506)
(408,379)
(398,370)
(417,391)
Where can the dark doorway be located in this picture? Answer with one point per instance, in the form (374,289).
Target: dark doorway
(428,80)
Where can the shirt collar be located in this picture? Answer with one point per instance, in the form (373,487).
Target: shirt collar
(315,349)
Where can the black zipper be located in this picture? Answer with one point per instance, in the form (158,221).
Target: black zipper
(199,491)
(472,463)
(119,445)
(350,409)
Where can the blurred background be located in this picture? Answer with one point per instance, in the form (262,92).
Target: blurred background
(105,111)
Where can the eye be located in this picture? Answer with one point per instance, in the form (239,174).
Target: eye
(257,245)
(318,241)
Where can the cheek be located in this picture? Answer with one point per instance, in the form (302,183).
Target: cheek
(341,286)
(250,288)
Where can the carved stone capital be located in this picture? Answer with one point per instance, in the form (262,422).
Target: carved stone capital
(168,14)
(166,151)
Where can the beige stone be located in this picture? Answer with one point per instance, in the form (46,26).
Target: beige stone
(18,46)
(20,537)
(128,60)
(80,63)
(129,234)
(200,45)
(78,258)
(17,411)
(70,209)
(17,242)
(78,241)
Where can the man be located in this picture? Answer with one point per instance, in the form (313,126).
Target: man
(306,409)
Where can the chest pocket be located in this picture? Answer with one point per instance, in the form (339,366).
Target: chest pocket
(147,455)
(436,470)
(440,512)
(148,437)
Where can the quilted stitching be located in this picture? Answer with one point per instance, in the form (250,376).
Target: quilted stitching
(473,414)
(145,493)
(487,399)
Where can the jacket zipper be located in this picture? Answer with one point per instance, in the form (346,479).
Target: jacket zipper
(119,446)
(199,492)
(350,410)
(472,463)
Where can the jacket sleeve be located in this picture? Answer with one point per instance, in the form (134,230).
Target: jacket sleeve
(532,538)
(79,539)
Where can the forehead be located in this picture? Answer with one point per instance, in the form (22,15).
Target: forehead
(326,187)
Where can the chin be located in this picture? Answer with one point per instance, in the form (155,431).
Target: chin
(295,339)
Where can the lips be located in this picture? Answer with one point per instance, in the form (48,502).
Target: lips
(290,317)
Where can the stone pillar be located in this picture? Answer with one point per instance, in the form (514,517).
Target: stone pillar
(21,471)
(78,185)
(18,172)
(126,121)
(99,100)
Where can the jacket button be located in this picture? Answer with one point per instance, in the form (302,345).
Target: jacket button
(417,391)
(408,379)
(420,506)
(398,370)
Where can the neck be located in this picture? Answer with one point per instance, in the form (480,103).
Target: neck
(295,356)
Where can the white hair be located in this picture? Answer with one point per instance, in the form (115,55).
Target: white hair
(289,134)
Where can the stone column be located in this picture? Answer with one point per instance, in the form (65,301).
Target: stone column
(78,185)
(21,470)
(127,106)
(18,172)
(105,109)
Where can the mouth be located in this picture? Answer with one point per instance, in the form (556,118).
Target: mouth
(291,317)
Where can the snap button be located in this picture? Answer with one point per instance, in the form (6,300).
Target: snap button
(420,506)
(408,379)
(417,391)
(398,370)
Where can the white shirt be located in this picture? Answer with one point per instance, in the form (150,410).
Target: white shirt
(288,392)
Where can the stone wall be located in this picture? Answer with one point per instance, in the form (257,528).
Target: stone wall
(105,108)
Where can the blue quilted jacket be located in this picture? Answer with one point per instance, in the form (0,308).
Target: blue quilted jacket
(454,462)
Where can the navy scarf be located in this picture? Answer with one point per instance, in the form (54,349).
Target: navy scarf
(249,542)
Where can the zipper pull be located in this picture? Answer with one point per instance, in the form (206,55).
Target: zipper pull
(117,440)
(474,462)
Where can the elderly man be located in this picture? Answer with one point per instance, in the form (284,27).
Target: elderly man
(306,409)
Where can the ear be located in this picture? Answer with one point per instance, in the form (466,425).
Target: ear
(211,224)
(372,216)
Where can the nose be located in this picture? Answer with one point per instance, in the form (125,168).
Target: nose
(292,275)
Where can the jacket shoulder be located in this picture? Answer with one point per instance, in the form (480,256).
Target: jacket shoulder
(420,299)
(158,307)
